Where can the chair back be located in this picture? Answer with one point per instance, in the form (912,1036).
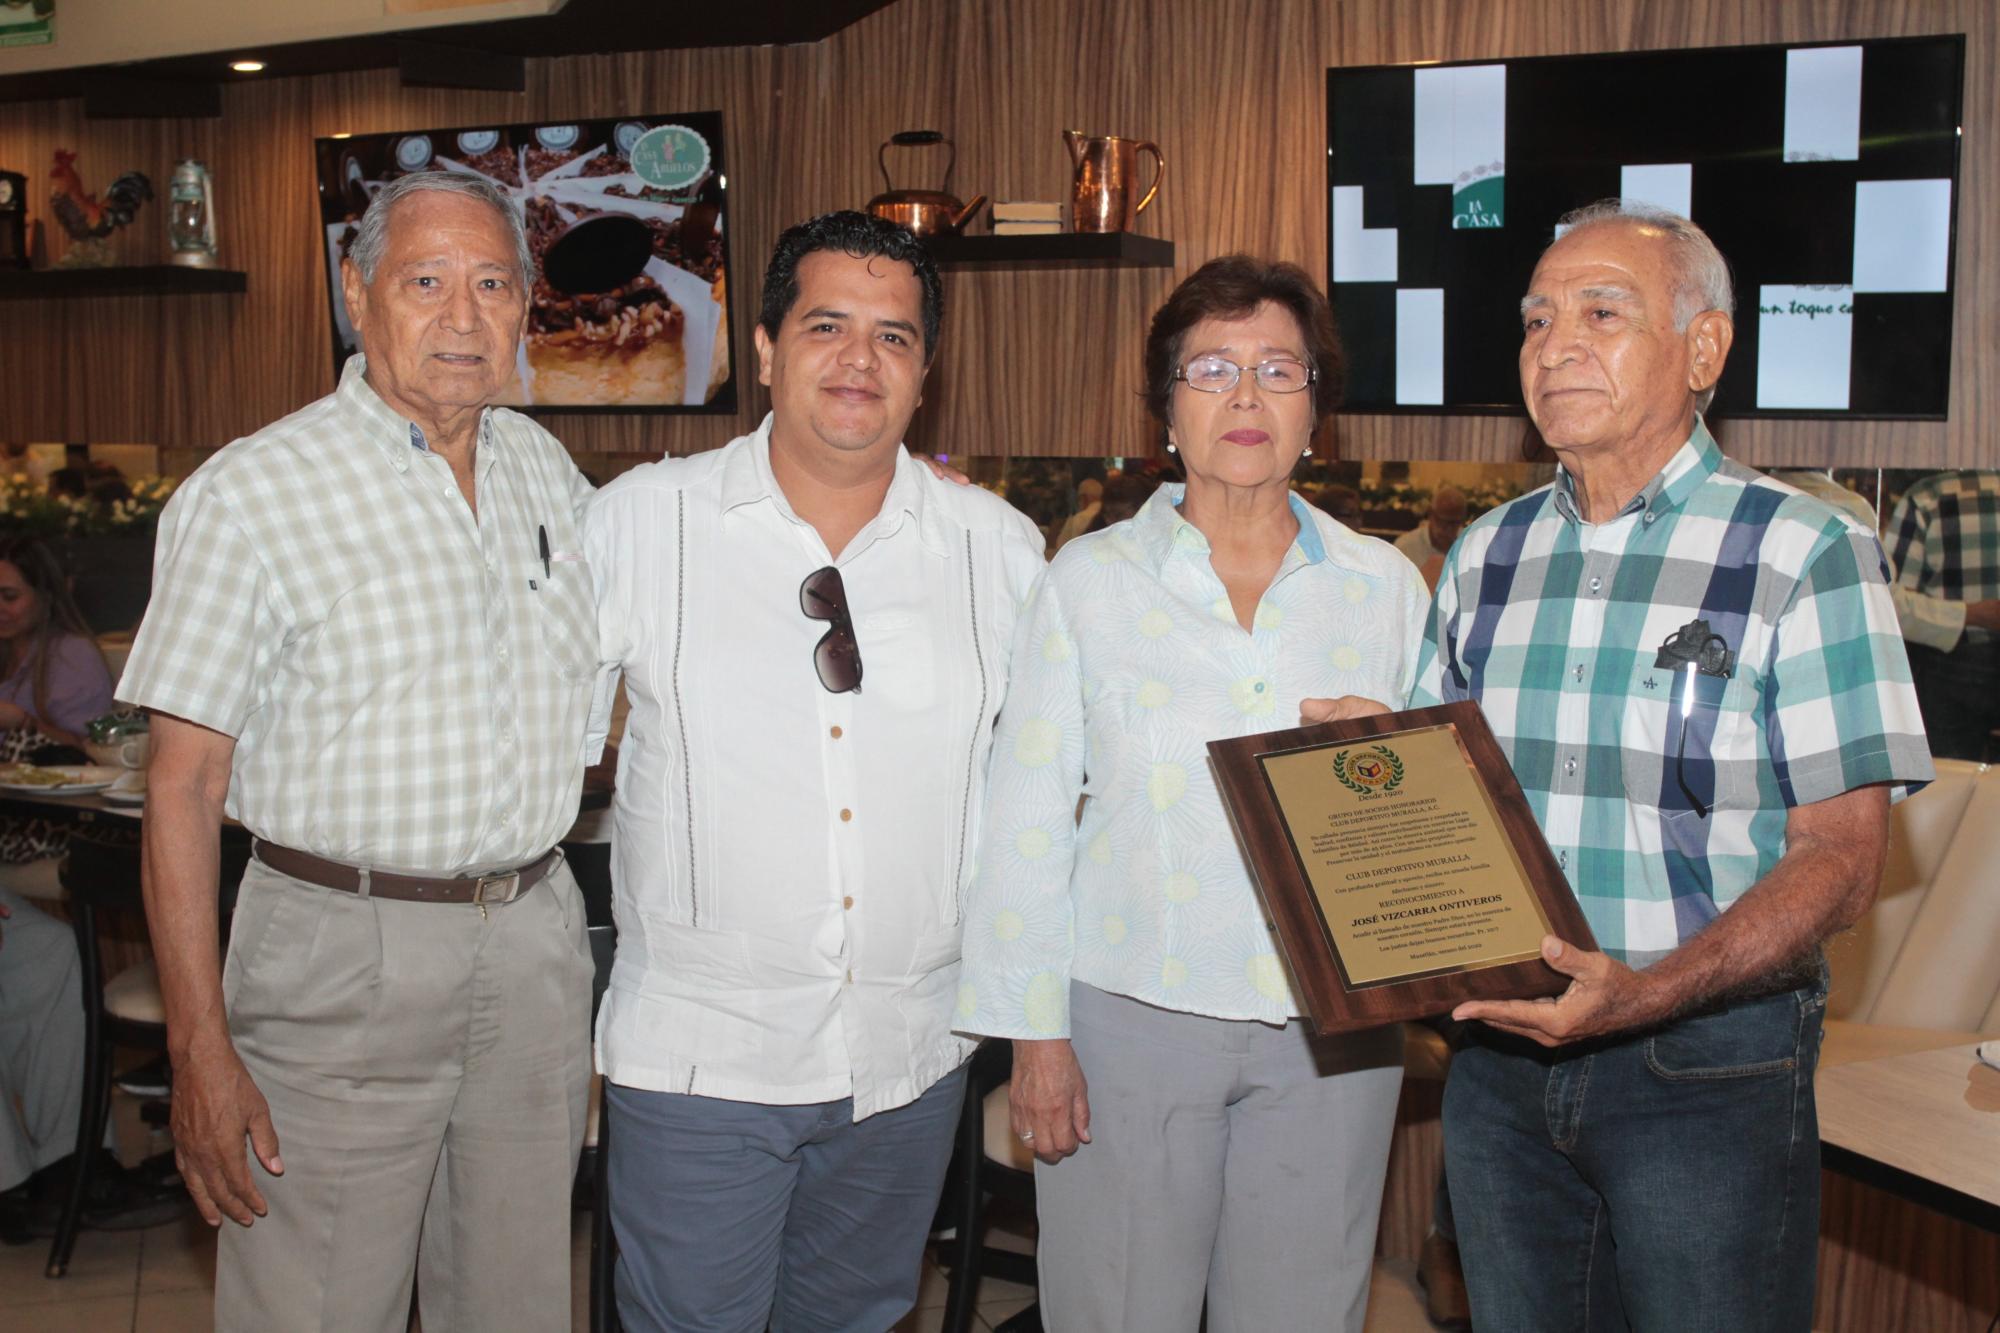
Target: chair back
(100,870)
(1947,973)
(1923,955)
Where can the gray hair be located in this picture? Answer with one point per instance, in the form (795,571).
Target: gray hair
(1701,274)
(372,235)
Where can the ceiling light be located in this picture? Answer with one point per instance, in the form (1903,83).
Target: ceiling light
(247,66)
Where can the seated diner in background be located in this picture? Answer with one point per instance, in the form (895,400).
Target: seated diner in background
(55,678)
(1426,543)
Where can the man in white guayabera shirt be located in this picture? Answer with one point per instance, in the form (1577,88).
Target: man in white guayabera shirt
(814,636)
(371,641)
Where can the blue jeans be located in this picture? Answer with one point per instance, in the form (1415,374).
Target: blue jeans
(1665,1181)
(732,1216)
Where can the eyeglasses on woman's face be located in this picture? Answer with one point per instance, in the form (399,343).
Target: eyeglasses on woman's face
(1210,373)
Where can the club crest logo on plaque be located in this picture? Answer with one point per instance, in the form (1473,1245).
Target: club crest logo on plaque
(1369,772)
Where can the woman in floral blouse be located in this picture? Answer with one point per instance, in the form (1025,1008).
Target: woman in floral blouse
(1196,1141)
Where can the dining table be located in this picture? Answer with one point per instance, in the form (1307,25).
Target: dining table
(1915,1112)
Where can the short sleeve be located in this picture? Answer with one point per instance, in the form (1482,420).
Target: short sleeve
(608,546)
(1909,533)
(1930,622)
(79,684)
(208,646)
(1842,712)
(580,493)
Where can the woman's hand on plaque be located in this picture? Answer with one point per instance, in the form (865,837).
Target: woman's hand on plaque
(1339,710)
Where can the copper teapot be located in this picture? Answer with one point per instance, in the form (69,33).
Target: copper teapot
(925,212)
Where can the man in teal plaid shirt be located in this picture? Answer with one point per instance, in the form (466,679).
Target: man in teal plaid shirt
(1697,676)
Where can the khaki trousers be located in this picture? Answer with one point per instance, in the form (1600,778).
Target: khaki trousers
(427,1070)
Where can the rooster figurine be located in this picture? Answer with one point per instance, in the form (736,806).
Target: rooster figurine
(89,220)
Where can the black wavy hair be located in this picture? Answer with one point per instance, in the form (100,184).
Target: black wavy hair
(858,235)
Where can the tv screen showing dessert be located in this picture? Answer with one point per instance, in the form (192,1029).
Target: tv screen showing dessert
(627,226)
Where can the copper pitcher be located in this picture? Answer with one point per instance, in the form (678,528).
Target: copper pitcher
(1101,196)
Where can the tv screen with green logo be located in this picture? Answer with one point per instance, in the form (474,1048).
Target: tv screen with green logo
(1826,173)
(627,225)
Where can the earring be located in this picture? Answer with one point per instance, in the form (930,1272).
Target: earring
(1170,447)
(1308,453)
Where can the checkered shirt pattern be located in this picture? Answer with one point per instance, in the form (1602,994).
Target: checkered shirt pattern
(1553,625)
(1945,536)
(407,684)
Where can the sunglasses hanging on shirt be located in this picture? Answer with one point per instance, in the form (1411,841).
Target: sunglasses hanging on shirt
(1694,651)
(837,656)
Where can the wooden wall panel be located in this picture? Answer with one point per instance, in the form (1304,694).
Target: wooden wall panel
(1887,1265)
(1031,363)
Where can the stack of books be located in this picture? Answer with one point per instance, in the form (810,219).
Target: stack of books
(1026,218)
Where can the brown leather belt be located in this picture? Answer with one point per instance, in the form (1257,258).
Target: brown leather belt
(504,887)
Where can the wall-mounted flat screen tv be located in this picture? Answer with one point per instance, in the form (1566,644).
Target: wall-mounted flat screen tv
(627,225)
(1827,175)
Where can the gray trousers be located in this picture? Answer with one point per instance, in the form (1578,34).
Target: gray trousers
(427,1070)
(41,1041)
(1231,1160)
(732,1215)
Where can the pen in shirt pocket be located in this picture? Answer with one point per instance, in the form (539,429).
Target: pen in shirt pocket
(550,557)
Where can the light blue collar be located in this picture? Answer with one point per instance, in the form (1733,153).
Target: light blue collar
(1159,527)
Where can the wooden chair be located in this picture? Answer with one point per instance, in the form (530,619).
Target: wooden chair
(100,874)
(988,1162)
(590,862)
(597,1141)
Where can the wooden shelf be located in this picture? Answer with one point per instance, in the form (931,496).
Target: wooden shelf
(1069,249)
(139,280)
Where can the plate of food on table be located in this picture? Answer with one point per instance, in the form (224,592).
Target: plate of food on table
(57,779)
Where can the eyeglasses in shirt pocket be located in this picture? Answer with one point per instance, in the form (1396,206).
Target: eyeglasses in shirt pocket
(1680,776)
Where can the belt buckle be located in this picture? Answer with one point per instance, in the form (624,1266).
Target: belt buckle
(497,888)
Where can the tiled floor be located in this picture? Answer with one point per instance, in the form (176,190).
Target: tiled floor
(160,1280)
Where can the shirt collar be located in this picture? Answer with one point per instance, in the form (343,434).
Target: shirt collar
(398,436)
(1692,464)
(747,479)
(1161,530)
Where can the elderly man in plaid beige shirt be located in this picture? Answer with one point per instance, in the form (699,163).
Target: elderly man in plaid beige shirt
(372,642)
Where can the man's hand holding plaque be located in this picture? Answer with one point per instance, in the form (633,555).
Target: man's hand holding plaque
(1603,996)
(1404,874)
